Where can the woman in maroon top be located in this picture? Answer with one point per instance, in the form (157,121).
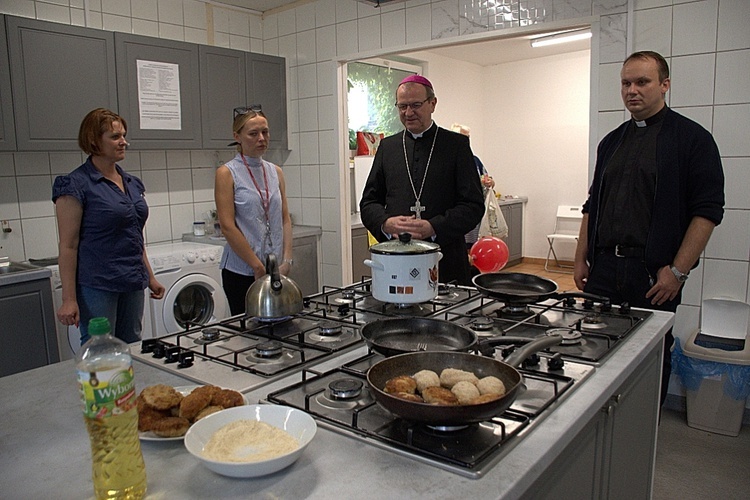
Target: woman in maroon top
(101,213)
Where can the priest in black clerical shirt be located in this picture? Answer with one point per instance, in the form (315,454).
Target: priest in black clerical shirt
(423,182)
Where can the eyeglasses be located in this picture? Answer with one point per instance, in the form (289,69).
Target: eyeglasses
(413,105)
(255,108)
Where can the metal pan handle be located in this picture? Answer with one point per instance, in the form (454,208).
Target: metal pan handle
(524,352)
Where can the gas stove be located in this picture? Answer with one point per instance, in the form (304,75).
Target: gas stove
(244,354)
(590,331)
(317,362)
(339,399)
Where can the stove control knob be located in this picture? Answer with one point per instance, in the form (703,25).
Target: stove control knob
(306,302)
(343,309)
(570,302)
(588,304)
(185,359)
(148,345)
(532,360)
(606,306)
(172,354)
(625,308)
(507,351)
(556,362)
(159,351)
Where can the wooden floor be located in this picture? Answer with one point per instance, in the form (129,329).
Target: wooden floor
(564,280)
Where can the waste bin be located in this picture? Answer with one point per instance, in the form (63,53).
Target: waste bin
(714,367)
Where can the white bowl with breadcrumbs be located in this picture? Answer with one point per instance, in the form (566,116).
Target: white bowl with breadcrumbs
(297,424)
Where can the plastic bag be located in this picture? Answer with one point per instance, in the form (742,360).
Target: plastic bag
(368,143)
(493,223)
(692,371)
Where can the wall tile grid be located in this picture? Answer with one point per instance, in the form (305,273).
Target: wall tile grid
(709,65)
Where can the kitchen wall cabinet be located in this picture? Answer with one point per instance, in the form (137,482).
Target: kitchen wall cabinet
(59,73)
(305,269)
(360,252)
(223,88)
(7,127)
(513,213)
(129,50)
(613,456)
(267,78)
(28,340)
(231,79)
(42,101)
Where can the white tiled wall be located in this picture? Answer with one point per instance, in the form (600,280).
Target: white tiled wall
(707,43)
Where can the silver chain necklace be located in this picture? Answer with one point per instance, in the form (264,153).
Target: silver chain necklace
(418,208)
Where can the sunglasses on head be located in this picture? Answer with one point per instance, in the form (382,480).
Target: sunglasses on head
(255,108)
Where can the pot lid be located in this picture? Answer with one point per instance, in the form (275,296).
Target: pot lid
(404,245)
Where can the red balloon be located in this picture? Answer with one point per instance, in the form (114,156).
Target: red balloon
(489,254)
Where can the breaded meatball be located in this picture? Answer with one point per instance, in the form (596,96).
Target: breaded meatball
(193,403)
(402,383)
(491,385)
(425,379)
(208,410)
(408,396)
(484,398)
(148,416)
(170,427)
(465,391)
(439,396)
(211,390)
(227,398)
(451,376)
(161,397)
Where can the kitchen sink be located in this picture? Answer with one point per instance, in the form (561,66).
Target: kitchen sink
(15,267)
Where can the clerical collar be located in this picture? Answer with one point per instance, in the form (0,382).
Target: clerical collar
(651,119)
(417,136)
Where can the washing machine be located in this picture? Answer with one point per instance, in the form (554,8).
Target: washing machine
(69,337)
(192,279)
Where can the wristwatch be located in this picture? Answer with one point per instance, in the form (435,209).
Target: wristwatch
(681,277)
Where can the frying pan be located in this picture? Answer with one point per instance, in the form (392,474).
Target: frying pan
(393,336)
(481,366)
(522,289)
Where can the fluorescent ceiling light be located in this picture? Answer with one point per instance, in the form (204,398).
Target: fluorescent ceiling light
(570,36)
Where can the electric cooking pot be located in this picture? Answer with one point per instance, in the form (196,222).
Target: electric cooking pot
(404,271)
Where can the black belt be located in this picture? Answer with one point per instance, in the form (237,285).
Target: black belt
(623,251)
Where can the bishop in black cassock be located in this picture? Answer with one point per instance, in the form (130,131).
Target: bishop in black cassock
(452,198)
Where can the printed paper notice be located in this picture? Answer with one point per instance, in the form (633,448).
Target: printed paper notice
(159,95)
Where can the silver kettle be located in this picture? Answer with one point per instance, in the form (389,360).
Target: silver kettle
(273,295)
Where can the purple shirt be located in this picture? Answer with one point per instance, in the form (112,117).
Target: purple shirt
(110,247)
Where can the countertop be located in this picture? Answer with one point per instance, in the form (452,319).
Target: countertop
(356,220)
(46,449)
(297,232)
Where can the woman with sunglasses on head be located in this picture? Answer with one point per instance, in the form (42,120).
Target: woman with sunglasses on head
(101,212)
(251,204)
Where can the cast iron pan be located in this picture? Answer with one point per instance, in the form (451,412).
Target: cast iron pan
(522,289)
(481,366)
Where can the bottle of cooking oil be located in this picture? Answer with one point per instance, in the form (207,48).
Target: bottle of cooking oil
(105,377)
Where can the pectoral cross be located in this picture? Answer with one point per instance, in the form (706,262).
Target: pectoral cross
(417,208)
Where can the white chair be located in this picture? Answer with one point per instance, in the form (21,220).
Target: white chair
(567,225)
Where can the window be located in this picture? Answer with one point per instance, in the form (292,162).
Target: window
(371,95)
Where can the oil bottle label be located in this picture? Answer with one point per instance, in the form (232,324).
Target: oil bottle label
(107,393)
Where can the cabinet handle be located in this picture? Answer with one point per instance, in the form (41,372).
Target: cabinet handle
(617,398)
